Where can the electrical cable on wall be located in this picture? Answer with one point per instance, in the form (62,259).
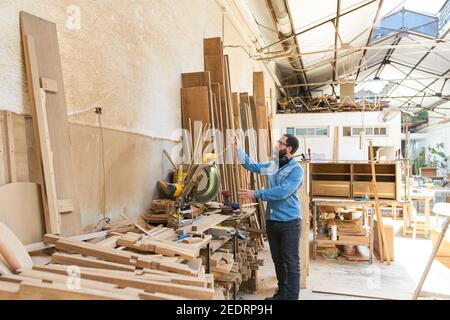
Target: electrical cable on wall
(102,205)
(98,111)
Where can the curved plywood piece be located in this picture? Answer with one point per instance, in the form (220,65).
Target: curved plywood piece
(4,268)
(21,210)
(13,251)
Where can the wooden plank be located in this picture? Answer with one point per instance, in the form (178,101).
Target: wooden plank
(3,148)
(389,232)
(336,144)
(42,59)
(110,242)
(134,282)
(165,248)
(52,239)
(200,79)
(205,223)
(11,148)
(145,274)
(21,210)
(49,85)
(195,79)
(120,256)
(195,107)
(24,149)
(67,259)
(48,190)
(213,59)
(304,196)
(47,277)
(65,205)
(384,249)
(259,91)
(33,290)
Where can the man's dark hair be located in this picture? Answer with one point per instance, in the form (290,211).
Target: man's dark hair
(292,142)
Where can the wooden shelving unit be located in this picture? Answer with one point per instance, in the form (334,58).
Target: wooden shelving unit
(368,214)
(353,180)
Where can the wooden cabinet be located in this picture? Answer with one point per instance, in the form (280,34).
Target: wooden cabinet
(354,180)
(386,190)
(335,188)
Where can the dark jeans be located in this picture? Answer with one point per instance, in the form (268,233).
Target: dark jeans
(284,238)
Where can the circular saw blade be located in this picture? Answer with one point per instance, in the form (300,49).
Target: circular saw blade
(208,185)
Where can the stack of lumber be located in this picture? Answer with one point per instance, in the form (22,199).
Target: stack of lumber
(100,270)
(239,270)
(213,114)
(159,211)
(83,270)
(352,231)
(144,263)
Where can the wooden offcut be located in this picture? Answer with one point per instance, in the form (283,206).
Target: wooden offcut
(21,210)
(13,251)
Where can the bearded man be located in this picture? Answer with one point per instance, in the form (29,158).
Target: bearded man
(283,214)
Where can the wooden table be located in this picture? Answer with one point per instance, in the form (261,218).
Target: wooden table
(368,206)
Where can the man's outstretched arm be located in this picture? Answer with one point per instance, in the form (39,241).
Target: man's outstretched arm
(293,181)
(249,164)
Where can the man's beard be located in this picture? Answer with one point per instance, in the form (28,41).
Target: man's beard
(282,153)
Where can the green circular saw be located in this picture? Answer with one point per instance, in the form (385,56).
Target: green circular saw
(203,184)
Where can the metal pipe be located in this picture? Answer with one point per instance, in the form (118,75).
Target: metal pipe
(285,28)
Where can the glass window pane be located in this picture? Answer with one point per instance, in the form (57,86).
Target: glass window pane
(311,131)
(369,131)
(290,131)
(301,132)
(393,22)
(383,131)
(322,131)
(347,132)
(376,131)
(356,131)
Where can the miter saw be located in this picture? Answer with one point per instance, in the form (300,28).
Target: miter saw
(202,185)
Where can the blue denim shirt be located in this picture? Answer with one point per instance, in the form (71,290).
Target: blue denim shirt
(281,196)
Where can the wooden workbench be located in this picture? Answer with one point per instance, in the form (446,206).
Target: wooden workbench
(340,202)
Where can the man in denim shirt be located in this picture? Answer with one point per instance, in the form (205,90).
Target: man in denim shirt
(283,212)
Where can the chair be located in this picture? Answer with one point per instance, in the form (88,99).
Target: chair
(442,209)
(417,222)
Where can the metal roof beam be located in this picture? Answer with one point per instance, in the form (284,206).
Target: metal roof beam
(411,66)
(344,13)
(427,54)
(336,37)
(363,57)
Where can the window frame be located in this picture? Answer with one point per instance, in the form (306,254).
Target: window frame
(380,129)
(315,128)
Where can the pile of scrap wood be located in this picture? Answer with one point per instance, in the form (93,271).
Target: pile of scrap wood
(232,269)
(131,261)
(241,272)
(105,269)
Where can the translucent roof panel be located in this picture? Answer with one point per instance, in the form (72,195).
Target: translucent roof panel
(405,20)
(390,50)
(424,6)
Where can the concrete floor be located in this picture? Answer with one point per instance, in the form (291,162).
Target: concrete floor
(382,281)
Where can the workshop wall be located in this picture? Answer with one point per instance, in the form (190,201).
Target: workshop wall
(126,57)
